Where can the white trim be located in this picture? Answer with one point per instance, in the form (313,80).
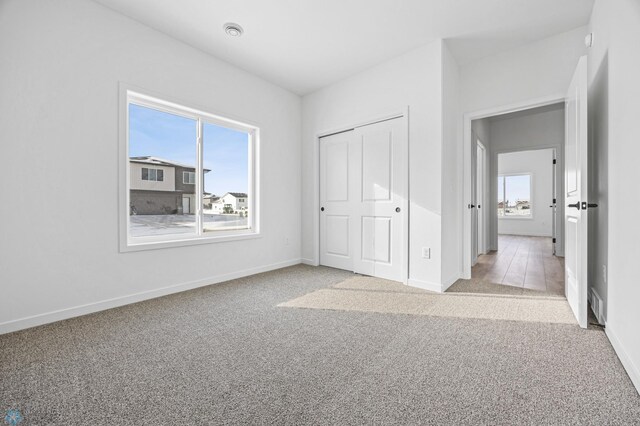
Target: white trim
(76,311)
(131,95)
(403,114)
(450,281)
(309,262)
(467,179)
(425,285)
(627,362)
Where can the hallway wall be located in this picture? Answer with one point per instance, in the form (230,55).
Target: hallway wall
(526,130)
(615,92)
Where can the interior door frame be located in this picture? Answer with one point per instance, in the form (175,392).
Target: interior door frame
(557,155)
(481,227)
(467,177)
(402,114)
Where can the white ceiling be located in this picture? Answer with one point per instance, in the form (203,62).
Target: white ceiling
(303,45)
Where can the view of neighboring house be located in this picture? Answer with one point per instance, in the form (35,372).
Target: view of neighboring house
(231,202)
(160,186)
(521,207)
(208,201)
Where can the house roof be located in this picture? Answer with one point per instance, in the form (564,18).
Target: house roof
(237,194)
(157,161)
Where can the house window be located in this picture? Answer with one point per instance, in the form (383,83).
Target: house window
(514,196)
(219,151)
(152,174)
(189,178)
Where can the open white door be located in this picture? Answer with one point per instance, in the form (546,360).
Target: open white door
(576,180)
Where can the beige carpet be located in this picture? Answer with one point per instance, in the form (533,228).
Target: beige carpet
(230,354)
(367,294)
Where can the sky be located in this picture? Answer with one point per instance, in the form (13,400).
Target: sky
(160,134)
(518,188)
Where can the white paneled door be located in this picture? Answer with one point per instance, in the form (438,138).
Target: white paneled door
(363,186)
(576,180)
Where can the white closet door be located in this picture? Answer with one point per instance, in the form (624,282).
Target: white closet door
(364,207)
(382,208)
(337,183)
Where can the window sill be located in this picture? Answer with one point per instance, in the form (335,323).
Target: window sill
(131,246)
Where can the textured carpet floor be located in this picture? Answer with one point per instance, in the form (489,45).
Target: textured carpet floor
(367,294)
(228,354)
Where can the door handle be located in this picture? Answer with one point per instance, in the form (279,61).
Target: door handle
(471,206)
(576,205)
(586,205)
(321,209)
(397,209)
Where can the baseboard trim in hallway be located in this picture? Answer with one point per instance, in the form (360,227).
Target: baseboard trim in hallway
(90,308)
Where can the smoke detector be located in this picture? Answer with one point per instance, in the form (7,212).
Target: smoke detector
(234,30)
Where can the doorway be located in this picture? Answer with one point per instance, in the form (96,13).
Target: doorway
(186,205)
(515,200)
(363,202)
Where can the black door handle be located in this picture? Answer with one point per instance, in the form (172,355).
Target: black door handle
(586,205)
(321,209)
(471,206)
(576,205)
(397,209)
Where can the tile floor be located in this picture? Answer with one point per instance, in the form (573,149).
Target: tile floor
(525,262)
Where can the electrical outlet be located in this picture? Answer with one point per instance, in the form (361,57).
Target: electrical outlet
(426,252)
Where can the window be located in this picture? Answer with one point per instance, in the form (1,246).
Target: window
(218,155)
(514,196)
(189,178)
(152,174)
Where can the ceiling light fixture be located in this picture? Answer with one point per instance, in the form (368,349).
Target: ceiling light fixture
(234,30)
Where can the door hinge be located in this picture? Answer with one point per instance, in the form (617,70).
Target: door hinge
(554,201)
(554,161)
(554,241)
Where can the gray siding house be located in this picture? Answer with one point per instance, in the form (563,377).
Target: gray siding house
(160,187)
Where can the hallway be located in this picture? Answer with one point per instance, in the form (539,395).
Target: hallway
(523,262)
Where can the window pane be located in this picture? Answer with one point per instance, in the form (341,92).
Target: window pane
(518,196)
(226,178)
(145,173)
(165,144)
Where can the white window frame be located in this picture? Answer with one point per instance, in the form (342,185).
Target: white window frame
(188,181)
(149,170)
(129,96)
(504,176)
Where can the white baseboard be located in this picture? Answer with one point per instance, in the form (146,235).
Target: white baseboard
(76,311)
(309,262)
(632,370)
(449,281)
(425,285)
